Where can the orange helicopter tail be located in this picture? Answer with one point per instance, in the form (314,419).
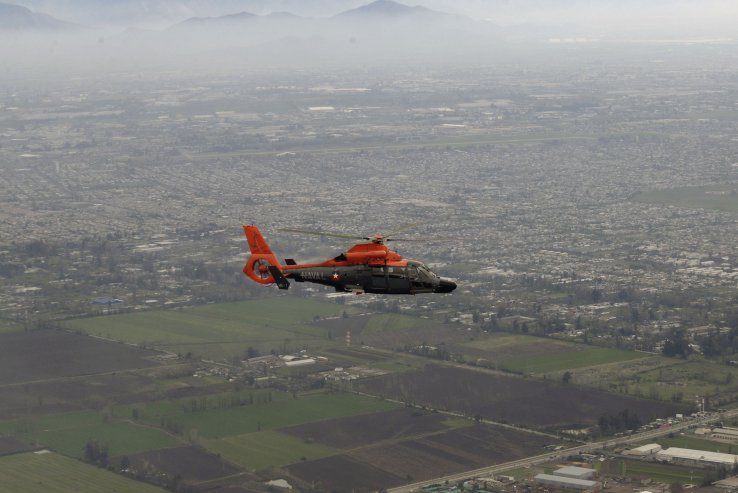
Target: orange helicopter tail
(262,266)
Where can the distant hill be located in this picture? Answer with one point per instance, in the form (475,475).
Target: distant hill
(224,19)
(379,11)
(157,14)
(15,17)
(388,8)
(382,27)
(529,19)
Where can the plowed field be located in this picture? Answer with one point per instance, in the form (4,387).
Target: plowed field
(509,399)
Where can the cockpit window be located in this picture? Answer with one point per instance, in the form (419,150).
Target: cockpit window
(419,270)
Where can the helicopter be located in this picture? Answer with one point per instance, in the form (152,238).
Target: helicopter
(367,267)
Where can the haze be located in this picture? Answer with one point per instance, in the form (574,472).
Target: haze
(181,34)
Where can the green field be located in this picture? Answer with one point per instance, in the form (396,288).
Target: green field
(68,433)
(54,473)
(657,472)
(528,354)
(262,449)
(697,443)
(270,410)
(218,331)
(579,358)
(390,322)
(721,197)
(686,378)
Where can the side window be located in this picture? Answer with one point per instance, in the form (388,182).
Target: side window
(378,271)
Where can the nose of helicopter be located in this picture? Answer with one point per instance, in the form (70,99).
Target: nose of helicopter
(446,286)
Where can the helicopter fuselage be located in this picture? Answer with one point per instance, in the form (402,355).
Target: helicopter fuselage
(406,277)
(365,268)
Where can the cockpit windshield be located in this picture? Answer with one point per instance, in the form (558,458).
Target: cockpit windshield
(422,270)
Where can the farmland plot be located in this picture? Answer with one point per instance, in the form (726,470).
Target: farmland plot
(357,431)
(58,353)
(435,454)
(188,462)
(528,354)
(221,330)
(508,399)
(54,473)
(344,473)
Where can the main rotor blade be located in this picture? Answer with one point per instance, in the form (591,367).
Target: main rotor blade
(322,233)
(374,238)
(404,239)
(402,228)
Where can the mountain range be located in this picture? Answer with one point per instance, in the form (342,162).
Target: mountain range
(114,34)
(15,17)
(641,18)
(380,26)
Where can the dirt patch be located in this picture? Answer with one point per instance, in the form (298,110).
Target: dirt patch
(11,445)
(191,463)
(436,454)
(74,394)
(509,399)
(43,354)
(482,445)
(452,452)
(358,431)
(344,473)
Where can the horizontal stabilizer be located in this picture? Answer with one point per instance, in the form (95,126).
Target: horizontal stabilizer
(279,279)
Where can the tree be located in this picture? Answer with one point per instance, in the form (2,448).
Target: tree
(676,488)
(596,295)
(676,345)
(94,453)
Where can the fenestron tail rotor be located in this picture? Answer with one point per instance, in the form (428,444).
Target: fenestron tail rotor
(260,268)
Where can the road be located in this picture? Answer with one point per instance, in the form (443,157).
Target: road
(589,447)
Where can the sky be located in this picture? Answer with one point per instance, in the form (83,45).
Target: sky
(599,17)
(134,33)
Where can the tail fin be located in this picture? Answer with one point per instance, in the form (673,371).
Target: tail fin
(257,268)
(257,243)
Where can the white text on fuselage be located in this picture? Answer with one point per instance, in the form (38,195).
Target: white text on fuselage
(318,276)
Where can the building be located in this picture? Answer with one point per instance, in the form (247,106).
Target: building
(725,434)
(690,456)
(575,472)
(647,450)
(564,482)
(730,483)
